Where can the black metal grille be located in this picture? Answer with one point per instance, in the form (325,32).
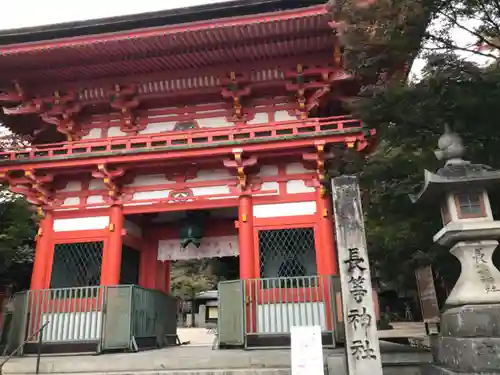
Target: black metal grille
(286,253)
(77,265)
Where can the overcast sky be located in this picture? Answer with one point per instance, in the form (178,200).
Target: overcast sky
(35,13)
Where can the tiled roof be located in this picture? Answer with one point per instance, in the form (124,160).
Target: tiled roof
(174,47)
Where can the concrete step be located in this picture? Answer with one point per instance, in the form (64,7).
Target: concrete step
(397,359)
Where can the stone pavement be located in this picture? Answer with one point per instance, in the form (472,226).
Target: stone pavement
(202,337)
(199,359)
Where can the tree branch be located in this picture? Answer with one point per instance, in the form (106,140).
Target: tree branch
(454,20)
(450,46)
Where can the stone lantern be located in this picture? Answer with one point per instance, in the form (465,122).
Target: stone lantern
(470,326)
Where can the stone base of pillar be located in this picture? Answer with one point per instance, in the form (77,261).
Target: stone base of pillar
(469,342)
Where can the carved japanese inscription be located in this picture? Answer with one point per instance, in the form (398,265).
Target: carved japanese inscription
(362,345)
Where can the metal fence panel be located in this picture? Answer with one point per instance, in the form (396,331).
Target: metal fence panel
(275,305)
(230,322)
(109,316)
(154,315)
(17,329)
(118,317)
(73,315)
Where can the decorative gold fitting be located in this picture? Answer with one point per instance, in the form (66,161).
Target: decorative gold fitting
(325,212)
(322,192)
(111,227)
(244,218)
(40,212)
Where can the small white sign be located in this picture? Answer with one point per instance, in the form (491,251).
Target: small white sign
(307,350)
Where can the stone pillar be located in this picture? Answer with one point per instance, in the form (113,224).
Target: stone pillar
(358,307)
(112,256)
(200,317)
(40,278)
(469,341)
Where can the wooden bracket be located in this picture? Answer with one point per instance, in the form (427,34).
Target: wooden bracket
(125,100)
(34,187)
(320,158)
(112,178)
(241,165)
(236,91)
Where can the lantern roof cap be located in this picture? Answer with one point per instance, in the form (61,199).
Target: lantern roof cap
(457,173)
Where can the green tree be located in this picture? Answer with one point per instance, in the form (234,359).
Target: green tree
(17,232)
(190,277)
(409,120)
(381,40)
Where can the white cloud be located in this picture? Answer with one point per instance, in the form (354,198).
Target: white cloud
(16,14)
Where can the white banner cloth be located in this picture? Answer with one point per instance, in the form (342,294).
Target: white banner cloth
(211,247)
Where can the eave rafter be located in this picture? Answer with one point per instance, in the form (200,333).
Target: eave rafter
(36,187)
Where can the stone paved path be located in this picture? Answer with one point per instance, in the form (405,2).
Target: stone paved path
(202,337)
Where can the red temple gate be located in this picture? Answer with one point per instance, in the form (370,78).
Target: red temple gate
(242,113)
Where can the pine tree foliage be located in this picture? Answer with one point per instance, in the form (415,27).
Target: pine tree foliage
(17,230)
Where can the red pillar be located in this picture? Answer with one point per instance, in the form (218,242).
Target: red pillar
(326,257)
(112,257)
(149,256)
(325,253)
(168,269)
(245,238)
(247,260)
(143,263)
(40,278)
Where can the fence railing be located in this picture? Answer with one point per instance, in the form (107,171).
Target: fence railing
(194,138)
(103,317)
(274,305)
(73,314)
(271,306)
